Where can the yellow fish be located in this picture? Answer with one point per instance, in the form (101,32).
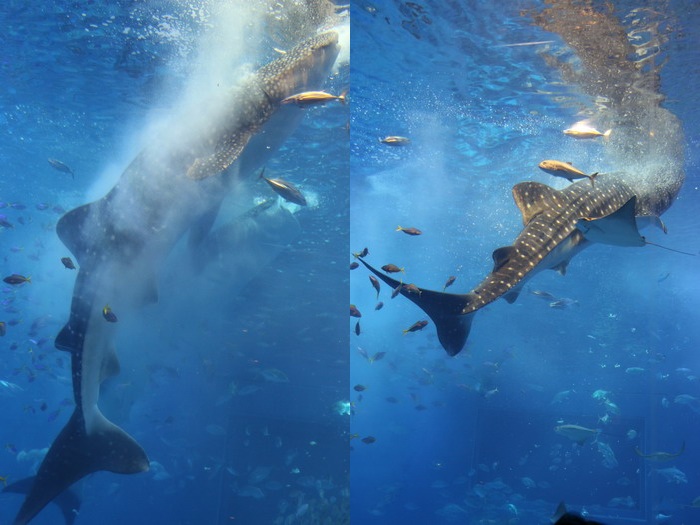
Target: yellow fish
(581,130)
(309,98)
(395,140)
(565,170)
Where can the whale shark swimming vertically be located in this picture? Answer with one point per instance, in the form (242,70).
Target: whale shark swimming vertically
(175,186)
(646,147)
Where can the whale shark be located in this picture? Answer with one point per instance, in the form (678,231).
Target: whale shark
(645,145)
(174,186)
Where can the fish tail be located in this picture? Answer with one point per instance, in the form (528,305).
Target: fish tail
(29,279)
(343,97)
(399,228)
(76,453)
(592,178)
(607,134)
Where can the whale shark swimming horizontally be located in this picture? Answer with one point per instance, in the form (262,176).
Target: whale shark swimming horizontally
(646,146)
(175,186)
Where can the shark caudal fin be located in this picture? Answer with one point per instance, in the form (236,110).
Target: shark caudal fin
(68,501)
(75,454)
(444,309)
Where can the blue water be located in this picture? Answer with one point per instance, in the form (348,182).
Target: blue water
(232,392)
(471,439)
(234,383)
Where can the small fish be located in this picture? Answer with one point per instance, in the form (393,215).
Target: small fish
(354,312)
(395,140)
(357,328)
(375,284)
(411,288)
(369,440)
(543,295)
(409,231)
(450,280)
(359,388)
(309,98)
(565,170)
(581,130)
(60,166)
(562,303)
(391,399)
(68,263)
(377,357)
(108,314)
(354,265)
(363,253)
(379,306)
(392,268)
(5,223)
(285,189)
(16,279)
(418,325)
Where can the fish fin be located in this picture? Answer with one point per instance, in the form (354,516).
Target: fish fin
(68,501)
(511,296)
(70,228)
(501,256)
(618,228)
(75,454)
(532,198)
(559,512)
(110,365)
(561,267)
(444,309)
(68,339)
(208,166)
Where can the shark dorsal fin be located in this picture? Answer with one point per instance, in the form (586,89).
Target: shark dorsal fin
(532,198)
(501,256)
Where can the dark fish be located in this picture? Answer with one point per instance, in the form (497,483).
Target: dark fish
(451,279)
(363,253)
(68,263)
(420,408)
(5,223)
(16,279)
(392,268)
(60,166)
(369,440)
(354,312)
(18,206)
(375,284)
(3,328)
(392,399)
(409,231)
(285,189)
(418,325)
(354,265)
(309,98)
(359,388)
(108,314)
(357,328)
(379,306)
(395,140)
(363,352)
(377,357)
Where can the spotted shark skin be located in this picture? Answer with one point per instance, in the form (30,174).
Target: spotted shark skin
(174,186)
(553,233)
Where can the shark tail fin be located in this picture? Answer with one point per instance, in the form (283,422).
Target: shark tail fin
(444,309)
(75,454)
(68,501)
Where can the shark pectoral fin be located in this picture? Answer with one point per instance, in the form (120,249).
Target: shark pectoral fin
(110,365)
(75,454)
(561,267)
(618,228)
(651,220)
(532,198)
(444,309)
(204,167)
